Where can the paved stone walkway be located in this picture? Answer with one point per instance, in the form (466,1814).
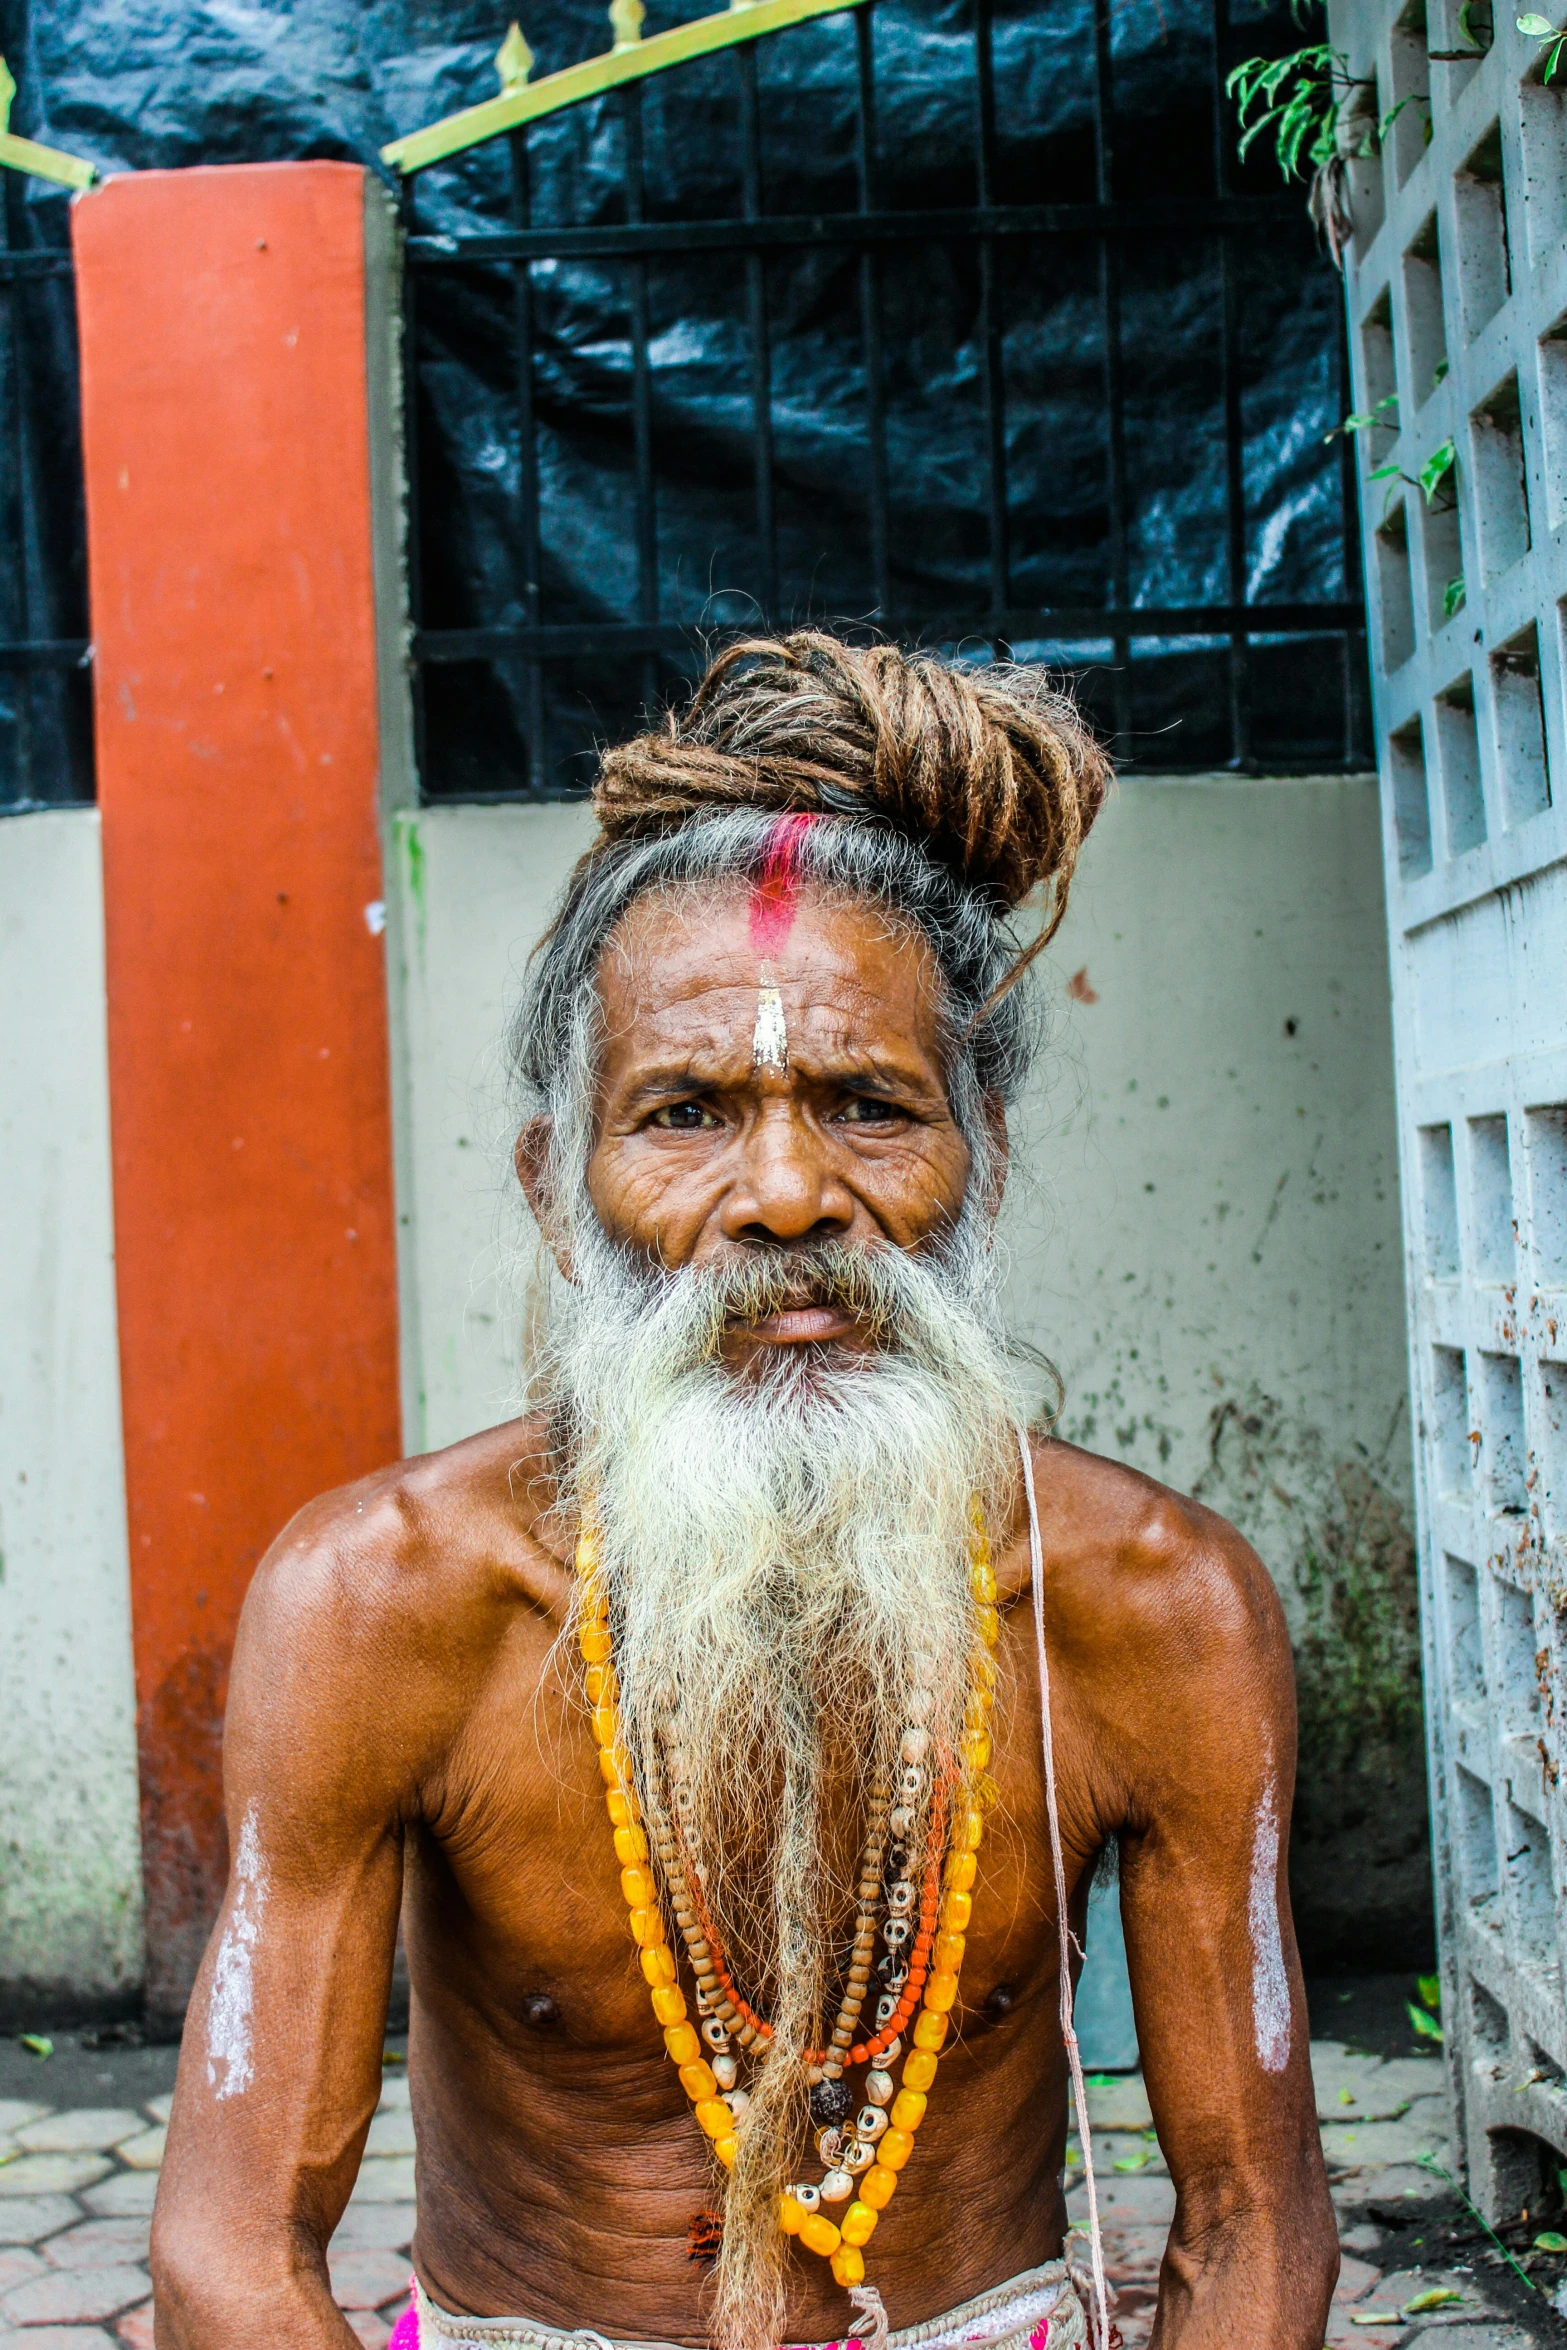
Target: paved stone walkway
(76,2190)
(1384,2122)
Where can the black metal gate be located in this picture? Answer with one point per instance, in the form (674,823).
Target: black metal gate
(947,520)
(45,697)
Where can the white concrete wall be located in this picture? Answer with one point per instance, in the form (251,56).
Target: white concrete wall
(1211,1149)
(70,1862)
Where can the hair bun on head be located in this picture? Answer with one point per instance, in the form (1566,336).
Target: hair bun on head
(992,770)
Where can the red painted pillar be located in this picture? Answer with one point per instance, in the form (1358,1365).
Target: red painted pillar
(224,397)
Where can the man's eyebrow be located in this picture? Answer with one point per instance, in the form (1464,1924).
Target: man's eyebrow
(702,1072)
(690,1075)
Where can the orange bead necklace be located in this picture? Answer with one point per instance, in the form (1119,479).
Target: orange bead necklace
(865,2157)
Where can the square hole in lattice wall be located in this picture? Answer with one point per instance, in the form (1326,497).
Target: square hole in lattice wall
(1550,1449)
(1491,1226)
(1451,1448)
(1551,358)
(1529,1892)
(1503,1454)
(1439,1202)
(1423,312)
(1410,130)
(1396,591)
(1411,806)
(1464,36)
(1519,716)
(1500,492)
(1484,277)
(1458,756)
(1543,108)
(1379,379)
(1476,1837)
(1489,2027)
(1465,1657)
(1545,1150)
(1515,1680)
(1442,556)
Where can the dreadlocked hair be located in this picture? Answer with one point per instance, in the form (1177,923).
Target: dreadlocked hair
(993,771)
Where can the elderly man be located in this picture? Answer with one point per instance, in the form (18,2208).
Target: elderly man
(694,1723)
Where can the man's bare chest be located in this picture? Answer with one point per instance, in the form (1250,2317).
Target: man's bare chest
(513,1882)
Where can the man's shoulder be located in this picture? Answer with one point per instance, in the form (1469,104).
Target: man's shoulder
(1132,1559)
(448,1537)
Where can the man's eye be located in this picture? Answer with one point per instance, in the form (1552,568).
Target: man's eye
(683,1118)
(866,1110)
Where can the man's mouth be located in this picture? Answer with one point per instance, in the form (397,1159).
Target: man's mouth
(800,1325)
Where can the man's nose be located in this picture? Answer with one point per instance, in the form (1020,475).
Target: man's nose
(786,1189)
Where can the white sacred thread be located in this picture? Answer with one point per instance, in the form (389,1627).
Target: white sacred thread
(1270,1990)
(230,2068)
(770,1037)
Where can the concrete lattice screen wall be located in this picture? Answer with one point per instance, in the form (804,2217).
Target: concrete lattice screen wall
(1457,291)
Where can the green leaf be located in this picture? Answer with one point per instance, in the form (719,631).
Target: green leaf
(1539,28)
(1550,2242)
(1430,1990)
(1132,2162)
(1425,2026)
(1391,471)
(1453,598)
(1439,373)
(1433,473)
(42,2047)
(1439,2297)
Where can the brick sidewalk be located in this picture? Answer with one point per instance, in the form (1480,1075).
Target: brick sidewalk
(76,2190)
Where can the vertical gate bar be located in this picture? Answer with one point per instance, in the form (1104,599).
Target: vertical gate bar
(528,463)
(1234,428)
(1350,503)
(1234,509)
(990,318)
(13,402)
(1115,386)
(870,314)
(761,365)
(641,396)
(408,221)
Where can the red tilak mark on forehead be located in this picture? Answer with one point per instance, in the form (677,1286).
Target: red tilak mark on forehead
(775,895)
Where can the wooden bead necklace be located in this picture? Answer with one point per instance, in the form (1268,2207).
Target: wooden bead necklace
(923,1910)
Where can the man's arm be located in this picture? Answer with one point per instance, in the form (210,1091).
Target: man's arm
(280,2070)
(1216,1982)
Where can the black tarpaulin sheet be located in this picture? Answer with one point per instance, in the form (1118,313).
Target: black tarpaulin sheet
(204,81)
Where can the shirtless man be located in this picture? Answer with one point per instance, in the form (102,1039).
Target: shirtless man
(732,1643)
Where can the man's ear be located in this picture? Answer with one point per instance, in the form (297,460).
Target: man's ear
(531,1159)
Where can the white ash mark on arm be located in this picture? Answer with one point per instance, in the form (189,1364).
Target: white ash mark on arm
(230,2058)
(1270,1990)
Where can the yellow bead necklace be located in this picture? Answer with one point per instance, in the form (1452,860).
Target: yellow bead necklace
(924,1952)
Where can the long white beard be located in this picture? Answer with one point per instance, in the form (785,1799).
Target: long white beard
(787,1556)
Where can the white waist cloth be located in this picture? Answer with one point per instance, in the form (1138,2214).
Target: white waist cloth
(1038,2310)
